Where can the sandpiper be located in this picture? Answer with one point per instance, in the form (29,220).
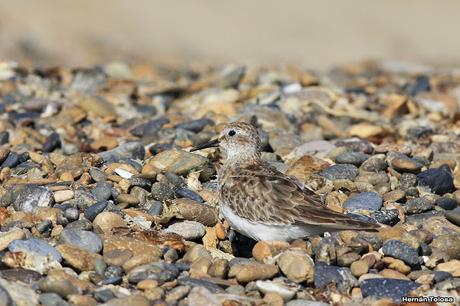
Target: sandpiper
(262,203)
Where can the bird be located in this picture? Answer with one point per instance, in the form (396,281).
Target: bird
(263,203)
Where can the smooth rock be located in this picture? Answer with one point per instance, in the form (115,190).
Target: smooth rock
(189,230)
(82,239)
(439,180)
(33,245)
(247,272)
(178,161)
(364,201)
(297,266)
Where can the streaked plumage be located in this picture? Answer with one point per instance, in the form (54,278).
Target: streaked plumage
(265,204)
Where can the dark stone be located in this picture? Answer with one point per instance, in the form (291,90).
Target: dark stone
(364,201)
(52,142)
(387,287)
(149,128)
(94,210)
(342,277)
(195,126)
(103,295)
(399,250)
(340,171)
(439,180)
(446,203)
(419,132)
(102,191)
(160,147)
(183,192)
(4,137)
(440,276)
(11,161)
(353,158)
(422,84)
(388,217)
(453,216)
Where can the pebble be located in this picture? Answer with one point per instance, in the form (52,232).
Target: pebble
(342,277)
(340,171)
(178,161)
(439,180)
(297,267)
(102,191)
(63,195)
(359,268)
(162,192)
(453,216)
(106,221)
(446,203)
(400,250)
(35,246)
(77,258)
(284,291)
(83,239)
(364,201)
(94,210)
(387,287)
(353,158)
(417,205)
(247,272)
(158,271)
(401,162)
(449,244)
(52,142)
(133,150)
(189,230)
(27,198)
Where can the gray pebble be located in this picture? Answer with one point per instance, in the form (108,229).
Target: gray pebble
(340,171)
(82,239)
(33,245)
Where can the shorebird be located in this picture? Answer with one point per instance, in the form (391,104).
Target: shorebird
(263,203)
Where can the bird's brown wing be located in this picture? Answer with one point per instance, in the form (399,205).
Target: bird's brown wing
(262,194)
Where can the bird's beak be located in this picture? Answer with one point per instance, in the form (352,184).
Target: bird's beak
(210,144)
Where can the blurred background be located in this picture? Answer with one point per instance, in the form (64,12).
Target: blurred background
(317,34)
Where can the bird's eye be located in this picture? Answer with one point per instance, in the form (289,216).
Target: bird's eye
(231,133)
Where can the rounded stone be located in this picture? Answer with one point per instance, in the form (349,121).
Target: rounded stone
(82,239)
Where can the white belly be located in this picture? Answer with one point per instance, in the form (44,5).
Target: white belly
(259,231)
